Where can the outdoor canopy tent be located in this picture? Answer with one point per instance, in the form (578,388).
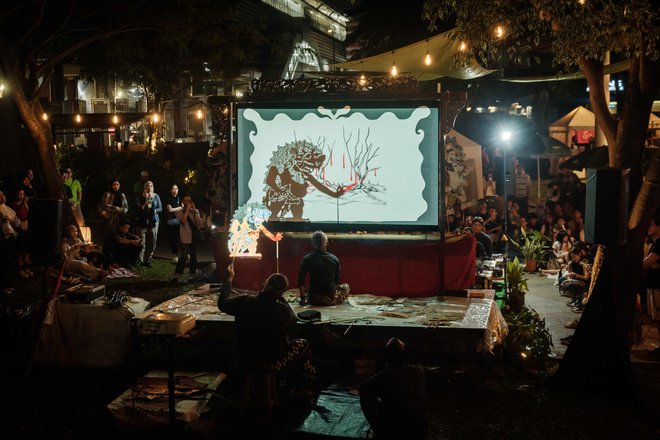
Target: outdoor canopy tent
(410,60)
(553,149)
(577,119)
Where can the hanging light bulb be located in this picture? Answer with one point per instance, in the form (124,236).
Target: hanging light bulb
(393,71)
(499,31)
(44,116)
(78,118)
(363,79)
(115,119)
(462,47)
(427,59)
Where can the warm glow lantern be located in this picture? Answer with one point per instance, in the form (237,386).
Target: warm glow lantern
(86,234)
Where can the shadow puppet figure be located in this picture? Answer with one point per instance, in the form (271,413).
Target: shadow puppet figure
(289,174)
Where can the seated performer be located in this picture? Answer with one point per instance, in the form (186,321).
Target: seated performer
(394,400)
(263,330)
(75,250)
(323,269)
(121,247)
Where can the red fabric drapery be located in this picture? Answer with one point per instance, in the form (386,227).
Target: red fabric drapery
(410,268)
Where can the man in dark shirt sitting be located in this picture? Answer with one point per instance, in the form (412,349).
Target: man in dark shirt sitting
(263,325)
(394,400)
(481,237)
(323,269)
(121,247)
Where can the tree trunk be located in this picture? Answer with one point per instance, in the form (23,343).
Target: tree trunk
(40,132)
(598,357)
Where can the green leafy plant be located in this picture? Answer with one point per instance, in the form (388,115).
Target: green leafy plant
(516,285)
(528,337)
(533,248)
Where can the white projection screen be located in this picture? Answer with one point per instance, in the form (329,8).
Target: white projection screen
(341,166)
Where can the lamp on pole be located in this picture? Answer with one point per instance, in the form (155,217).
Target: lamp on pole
(506,139)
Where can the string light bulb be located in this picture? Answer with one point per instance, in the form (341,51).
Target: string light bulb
(462,46)
(394,71)
(115,119)
(44,116)
(200,114)
(78,118)
(499,31)
(363,79)
(155,118)
(427,59)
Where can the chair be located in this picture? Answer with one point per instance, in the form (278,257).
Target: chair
(260,391)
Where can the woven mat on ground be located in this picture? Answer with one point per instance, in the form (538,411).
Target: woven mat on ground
(121,272)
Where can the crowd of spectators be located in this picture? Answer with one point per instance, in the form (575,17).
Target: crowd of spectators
(127,222)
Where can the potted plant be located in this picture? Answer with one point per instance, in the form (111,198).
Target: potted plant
(516,285)
(531,249)
(528,338)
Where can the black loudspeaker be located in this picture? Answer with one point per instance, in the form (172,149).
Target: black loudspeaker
(44,227)
(606,207)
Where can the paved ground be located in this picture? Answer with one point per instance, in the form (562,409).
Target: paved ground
(545,299)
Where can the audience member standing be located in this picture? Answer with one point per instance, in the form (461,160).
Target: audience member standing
(498,171)
(490,187)
(147,217)
(25,183)
(76,196)
(114,206)
(189,224)
(172,206)
(522,186)
(394,400)
(139,185)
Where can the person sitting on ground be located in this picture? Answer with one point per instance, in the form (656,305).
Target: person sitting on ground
(121,248)
(21,207)
(74,250)
(481,237)
(323,268)
(264,322)
(394,400)
(9,223)
(651,264)
(493,225)
(560,249)
(533,222)
(575,281)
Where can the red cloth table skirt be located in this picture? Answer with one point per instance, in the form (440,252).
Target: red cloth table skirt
(396,268)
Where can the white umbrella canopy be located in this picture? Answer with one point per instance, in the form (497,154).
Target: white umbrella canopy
(410,60)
